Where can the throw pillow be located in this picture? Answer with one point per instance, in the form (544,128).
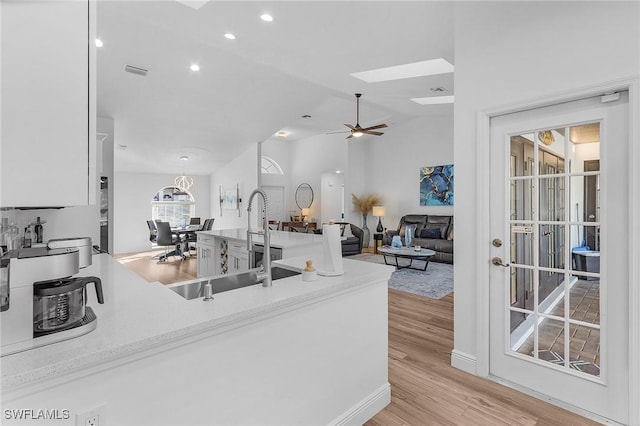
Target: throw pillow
(450,232)
(434,231)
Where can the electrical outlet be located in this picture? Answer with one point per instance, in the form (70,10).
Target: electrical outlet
(95,416)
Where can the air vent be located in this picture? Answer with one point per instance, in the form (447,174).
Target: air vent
(136,70)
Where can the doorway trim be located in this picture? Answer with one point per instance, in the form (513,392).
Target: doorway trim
(483,237)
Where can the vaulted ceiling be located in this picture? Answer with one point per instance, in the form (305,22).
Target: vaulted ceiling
(262,82)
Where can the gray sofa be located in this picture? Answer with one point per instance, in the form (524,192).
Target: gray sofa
(432,232)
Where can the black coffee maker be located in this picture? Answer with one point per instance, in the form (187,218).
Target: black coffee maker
(44,301)
(60,304)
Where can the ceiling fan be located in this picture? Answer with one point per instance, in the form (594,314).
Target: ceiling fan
(357,131)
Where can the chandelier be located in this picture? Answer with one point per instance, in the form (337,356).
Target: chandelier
(184,182)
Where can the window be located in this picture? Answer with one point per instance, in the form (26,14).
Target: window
(269,166)
(172,205)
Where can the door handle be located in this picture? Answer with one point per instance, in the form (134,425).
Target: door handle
(498,262)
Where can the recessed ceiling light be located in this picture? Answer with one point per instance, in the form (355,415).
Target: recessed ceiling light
(99,43)
(195,67)
(230,36)
(184,157)
(266,17)
(398,72)
(338,172)
(282,134)
(434,100)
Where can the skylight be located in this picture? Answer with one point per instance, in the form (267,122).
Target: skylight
(434,100)
(195,4)
(398,72)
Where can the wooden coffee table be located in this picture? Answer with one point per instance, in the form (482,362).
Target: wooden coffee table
(406,253)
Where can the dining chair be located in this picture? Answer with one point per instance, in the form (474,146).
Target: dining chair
(205,225)
(210,225)
(153,231)
(165,239)
(194,221)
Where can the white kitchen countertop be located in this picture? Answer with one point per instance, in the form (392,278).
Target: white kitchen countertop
(138,315)
(280,239)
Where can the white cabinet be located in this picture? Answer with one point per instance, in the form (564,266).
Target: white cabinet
(238,257)
(207,261)
(206,266)
(48,103)
(220,256)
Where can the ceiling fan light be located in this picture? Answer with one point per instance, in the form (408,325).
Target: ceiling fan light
(357,133)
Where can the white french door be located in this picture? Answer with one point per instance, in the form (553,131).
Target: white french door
(559,282)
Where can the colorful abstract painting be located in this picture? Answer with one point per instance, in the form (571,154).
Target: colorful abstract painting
(436,185)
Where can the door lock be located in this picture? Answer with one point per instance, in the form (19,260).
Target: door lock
(497,242)
(498,262)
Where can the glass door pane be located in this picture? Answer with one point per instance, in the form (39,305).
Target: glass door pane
(554,292)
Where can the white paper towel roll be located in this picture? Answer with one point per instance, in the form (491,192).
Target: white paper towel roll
(331,251)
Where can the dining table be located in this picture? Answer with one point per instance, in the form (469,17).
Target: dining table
(182,245)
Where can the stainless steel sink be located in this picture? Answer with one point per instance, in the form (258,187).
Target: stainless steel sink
(195,289)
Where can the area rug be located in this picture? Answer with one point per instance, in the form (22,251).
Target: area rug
(435,283)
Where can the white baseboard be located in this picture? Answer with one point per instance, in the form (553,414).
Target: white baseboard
(463,361)
(367,408)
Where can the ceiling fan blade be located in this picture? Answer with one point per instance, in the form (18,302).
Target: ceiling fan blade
(350,126)
(350,136)
(379,126)
(333,133)
(368,132)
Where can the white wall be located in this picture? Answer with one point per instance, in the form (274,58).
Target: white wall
(395,160)
(310,158)
(280,151)
(133,193)
(510,52)
(355,177)
(331,192)
(242,171)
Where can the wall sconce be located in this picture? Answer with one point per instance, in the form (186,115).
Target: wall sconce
(379,212)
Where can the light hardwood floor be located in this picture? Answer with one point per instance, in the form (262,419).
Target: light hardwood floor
(171,271)
(425,389)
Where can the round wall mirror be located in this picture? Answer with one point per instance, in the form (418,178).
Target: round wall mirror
(304,196)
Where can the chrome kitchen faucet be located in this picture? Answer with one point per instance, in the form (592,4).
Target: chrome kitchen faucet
(264,274)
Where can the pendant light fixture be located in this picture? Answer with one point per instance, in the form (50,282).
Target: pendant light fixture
(184,182)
